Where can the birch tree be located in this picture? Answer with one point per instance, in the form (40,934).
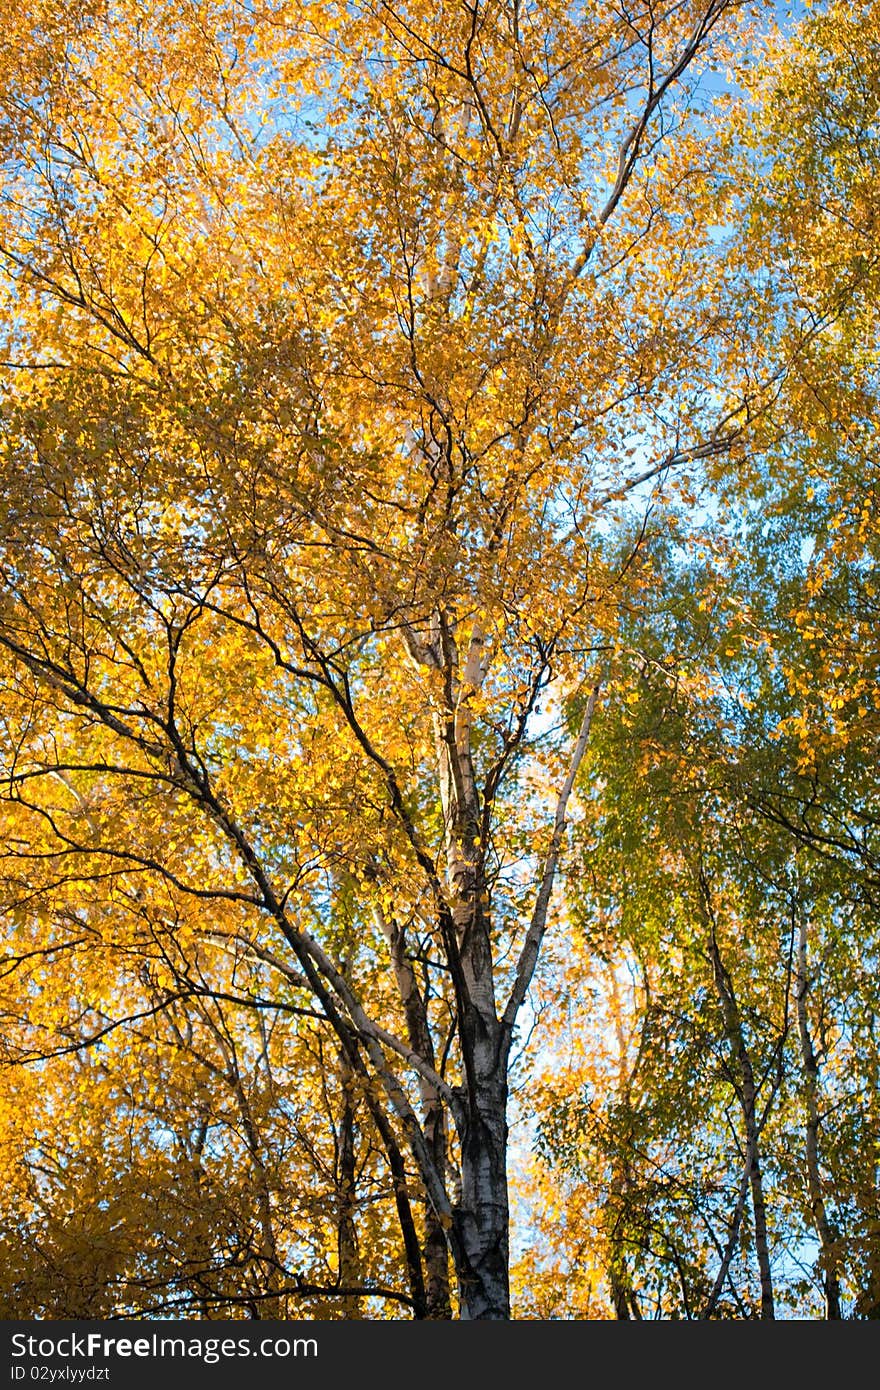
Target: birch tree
(335,337)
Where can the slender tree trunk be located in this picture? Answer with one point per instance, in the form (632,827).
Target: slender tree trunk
(824,1229)
(436,1256)
(759,1210)
(732,1239)
(435,1249)
(748,1097)
(349,1261)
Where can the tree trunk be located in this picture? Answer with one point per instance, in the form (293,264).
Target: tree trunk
(435,1251)
(346,1182)
(747,1091)
(482,1213)
(482,1216)
(762,1245)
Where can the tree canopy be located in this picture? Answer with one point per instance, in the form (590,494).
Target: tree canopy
(438,659)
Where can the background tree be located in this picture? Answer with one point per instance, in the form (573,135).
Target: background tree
(749,736)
